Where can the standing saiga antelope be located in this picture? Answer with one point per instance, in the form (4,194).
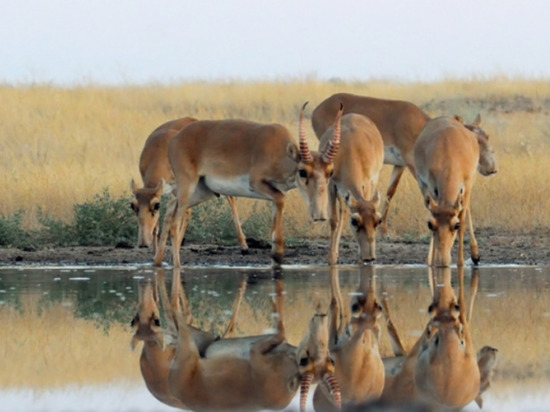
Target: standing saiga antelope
(267,377)
(446,156)
(399,123)
(356,167)
(354,344)
(242,158)
(157,177)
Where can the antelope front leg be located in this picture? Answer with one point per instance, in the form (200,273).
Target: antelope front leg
(336,219)
(474,252)
(166,228)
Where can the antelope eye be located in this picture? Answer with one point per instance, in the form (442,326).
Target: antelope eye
(134,321)
(377,222)
(457,308)
(156,322)
(355,307)
(134,207)
(457,226)
(354,222)
(156,206)
(431,226)
(331,173)
(302,173)
(431,308)
(303,361)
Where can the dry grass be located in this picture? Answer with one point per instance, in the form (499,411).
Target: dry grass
(62,146)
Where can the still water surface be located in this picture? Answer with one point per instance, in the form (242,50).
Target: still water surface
(46,312)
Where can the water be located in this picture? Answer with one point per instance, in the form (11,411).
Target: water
(65,331)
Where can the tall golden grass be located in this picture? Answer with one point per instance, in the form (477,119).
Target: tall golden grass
(53,348)
(61,146)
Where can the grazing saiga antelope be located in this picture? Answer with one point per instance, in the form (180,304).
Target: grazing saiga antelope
(399,123)
(354,344)
(268,378)
(356,167)
(157,354)
(442,368)
(242,158)
(446,156)
(446,372)
(157,177)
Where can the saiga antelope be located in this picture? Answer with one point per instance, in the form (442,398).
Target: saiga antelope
(267,378)
(446,156)
(441,368)
(446,372)
(157,177)
(242,158)
(399,123)
(354,344)
(356,167)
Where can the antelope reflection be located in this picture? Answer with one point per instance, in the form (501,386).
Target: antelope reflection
(354,343)
(188,368)
(442,369)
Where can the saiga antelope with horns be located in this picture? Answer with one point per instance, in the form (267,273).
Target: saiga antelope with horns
(242,158)
(399,123)
(356,167)
(157,177)
(354,344)
(446,156)
(268,377)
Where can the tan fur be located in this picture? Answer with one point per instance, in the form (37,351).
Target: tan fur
(399,123)
(446,156)
(355,175)
(267,377)
(155,172)
(446,372)
(241,158)
(354,345)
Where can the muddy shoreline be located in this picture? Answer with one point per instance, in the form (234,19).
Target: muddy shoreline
(495,248)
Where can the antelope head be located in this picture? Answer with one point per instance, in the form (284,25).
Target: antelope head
(146,206)
(487,163)
(363,222)
(315,169)
(444,225)
(146,322)
(315,362)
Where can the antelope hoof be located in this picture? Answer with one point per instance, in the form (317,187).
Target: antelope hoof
(277,259)
(245,252)
(476,259)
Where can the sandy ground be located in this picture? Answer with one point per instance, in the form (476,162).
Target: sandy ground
(495,248)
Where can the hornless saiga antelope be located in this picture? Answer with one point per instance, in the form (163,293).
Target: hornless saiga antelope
(442,369)
(267,378)
(158,178)
(356,167)
(354,344)
(399,123)
(446,156)
(157,353)
(242,158)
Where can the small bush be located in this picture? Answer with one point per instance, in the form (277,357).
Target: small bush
(104,221)
(11,231)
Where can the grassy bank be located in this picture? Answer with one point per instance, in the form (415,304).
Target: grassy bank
(62,147)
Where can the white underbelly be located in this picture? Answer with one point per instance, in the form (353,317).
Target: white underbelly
(235,186)
(393,156)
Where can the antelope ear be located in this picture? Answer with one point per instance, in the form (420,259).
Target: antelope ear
(376,199)
(477,121)
(351,202)
(431,204)
(458,204)
(134,186)
(159,189)
(458,118)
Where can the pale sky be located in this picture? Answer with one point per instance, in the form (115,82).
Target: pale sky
(113,42)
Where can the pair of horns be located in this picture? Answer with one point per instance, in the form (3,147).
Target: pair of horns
(330,152)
